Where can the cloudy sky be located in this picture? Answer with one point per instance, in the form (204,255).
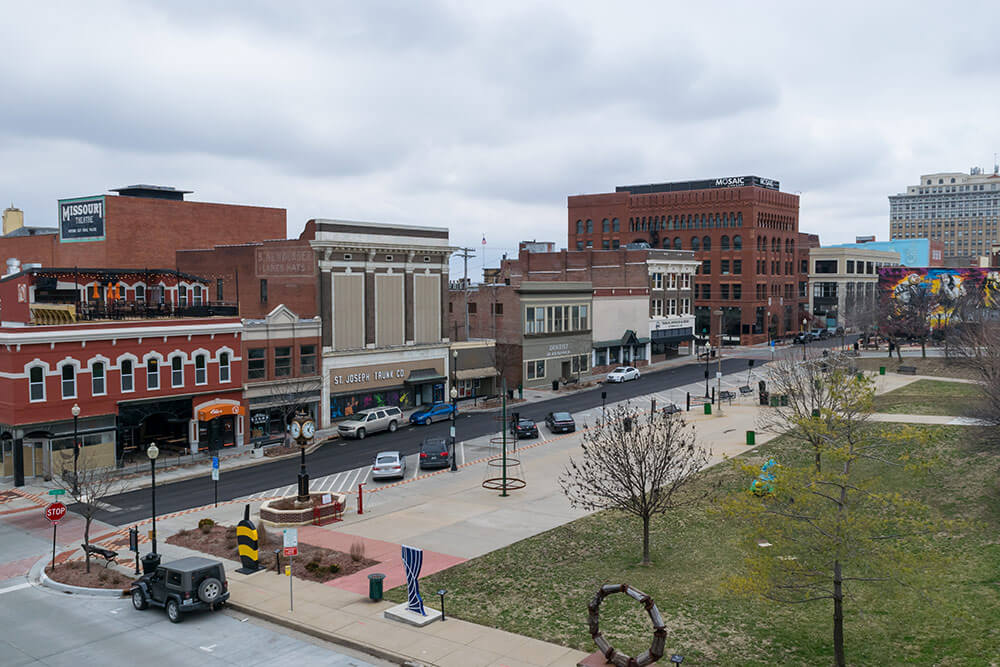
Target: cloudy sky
(484,116)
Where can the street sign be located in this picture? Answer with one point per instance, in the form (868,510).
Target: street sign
(215,474)
(55,511)
(56,492)
(215,463)
(291,551)
(290,537)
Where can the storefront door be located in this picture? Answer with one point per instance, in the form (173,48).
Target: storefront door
(36,458)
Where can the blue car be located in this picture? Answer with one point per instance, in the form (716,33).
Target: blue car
(434,413)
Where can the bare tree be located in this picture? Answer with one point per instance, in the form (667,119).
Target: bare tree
(975,346)
(906,315)
(811,397)
(94,484)
(636,463)
(292,397)
(859,314)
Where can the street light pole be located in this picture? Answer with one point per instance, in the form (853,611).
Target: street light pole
(454,407)
(152,452)
(708,355)
(718,376)
(804,338)
(76,446)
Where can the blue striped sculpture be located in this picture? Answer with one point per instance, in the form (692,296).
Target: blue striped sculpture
(413,560)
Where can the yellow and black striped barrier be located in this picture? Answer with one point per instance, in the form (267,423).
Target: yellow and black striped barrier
(246,544)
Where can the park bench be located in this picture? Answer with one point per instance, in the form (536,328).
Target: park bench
(746,390)
(907,370)
(671,409)
(727,396)
(108,555)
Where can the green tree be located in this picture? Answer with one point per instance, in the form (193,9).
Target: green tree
(825,531)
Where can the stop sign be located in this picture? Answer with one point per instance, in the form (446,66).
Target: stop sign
(55,511)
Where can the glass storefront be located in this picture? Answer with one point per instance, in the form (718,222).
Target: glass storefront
(346,405)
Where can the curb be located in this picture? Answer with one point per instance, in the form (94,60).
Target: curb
(37,573)
(332,637)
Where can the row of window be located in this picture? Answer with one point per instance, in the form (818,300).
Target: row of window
(726,267)
(554,319)
(775,244)
(672,280)
(126,368)
(657,307)
(775,268)
(677,222)
(607,226)
(257,361)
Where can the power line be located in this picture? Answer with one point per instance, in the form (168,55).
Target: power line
(465,254)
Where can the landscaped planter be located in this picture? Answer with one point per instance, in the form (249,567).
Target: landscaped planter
(285,512)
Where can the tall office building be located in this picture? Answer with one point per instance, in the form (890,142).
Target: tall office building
(958,209)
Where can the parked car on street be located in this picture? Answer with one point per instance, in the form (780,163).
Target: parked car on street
(803,337)
(434,453)
(623,374)
(182,586)
(560,422)
(820,334)
(524,428)
(434,413)
(389,465)
(365,422)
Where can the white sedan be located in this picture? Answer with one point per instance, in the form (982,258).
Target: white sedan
(623,374)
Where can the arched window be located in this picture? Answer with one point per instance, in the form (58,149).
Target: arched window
(605,226)
(761,243)
(706,243)
(737,242)
(97,379)
(670,222)
(677,243)
(615,225)
(152,374)
(177,372)
(36,384)
(590,226)
(200,369)
(695,243)
(68,374)
(724,242)
(739,219)
(579,226)
(126,371)
(666,244)
(224,367)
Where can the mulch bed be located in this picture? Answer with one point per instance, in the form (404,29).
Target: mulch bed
(74,573)
(280,450)
(221,541)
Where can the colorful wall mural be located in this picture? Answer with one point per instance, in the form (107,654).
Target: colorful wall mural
(979,287)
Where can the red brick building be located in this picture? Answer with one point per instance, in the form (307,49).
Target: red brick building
(743,230)
(138,372)
(140,227)
(258,276)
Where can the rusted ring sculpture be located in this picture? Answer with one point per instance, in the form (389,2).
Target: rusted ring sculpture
(613,655)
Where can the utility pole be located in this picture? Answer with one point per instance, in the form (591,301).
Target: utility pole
(465,254)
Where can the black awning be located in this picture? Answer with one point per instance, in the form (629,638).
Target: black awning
(424,375)
(672,335)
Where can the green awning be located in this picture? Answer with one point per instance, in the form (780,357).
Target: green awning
(424,375)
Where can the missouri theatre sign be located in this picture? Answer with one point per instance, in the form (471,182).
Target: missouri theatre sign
(82,219)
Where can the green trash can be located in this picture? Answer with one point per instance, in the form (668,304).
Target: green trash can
(375,586)
(774,401)
(784,400)
(751,438)
(708,408)
(881,370)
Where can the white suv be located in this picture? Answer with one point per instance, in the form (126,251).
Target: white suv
(372,420)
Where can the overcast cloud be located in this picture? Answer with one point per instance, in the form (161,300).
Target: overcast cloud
(483,117)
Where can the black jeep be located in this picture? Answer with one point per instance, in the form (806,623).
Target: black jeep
(189,584)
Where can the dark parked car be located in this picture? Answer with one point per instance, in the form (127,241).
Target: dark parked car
(188,584)
(524,428)
(434,453)
(560,422)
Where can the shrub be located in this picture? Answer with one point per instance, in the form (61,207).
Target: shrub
(334,568)
(313,566)
(231,533)
(206,525)
(357,551)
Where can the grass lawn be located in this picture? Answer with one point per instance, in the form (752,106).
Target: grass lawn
(931,397)
(929,366)
(540,587)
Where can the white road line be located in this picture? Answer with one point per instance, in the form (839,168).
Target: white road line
(351,484)
(11,589)
(462,449)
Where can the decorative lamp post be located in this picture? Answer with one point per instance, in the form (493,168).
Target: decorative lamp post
(76,446)
(708,355)
(152,452)
(454,406)
(804,338)
(718,377)
(303,428)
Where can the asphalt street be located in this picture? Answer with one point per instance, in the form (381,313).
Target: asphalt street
(39,626)
(341,455)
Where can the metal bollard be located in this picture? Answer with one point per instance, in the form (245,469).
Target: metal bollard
(689,401)
(361,506)
(277,561)
(652,403)
(713,395)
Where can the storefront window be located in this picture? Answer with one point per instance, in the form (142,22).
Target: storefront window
(602,356)
(536,370)
(614,355)
(639,353)
(345,406)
